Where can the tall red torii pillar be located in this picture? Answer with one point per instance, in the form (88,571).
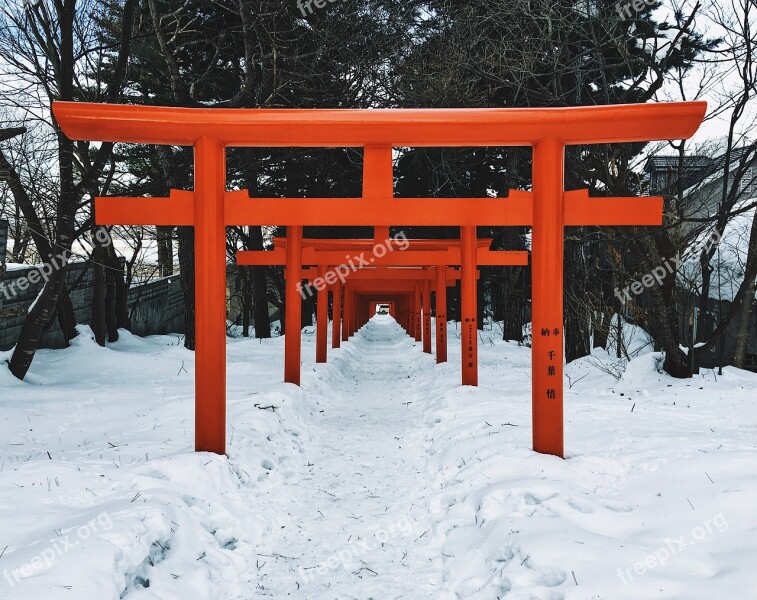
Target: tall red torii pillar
(547,209)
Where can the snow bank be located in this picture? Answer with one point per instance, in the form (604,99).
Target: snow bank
(102,495)
(653,500)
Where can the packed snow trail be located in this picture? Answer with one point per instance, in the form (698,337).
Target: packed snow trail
(352,521)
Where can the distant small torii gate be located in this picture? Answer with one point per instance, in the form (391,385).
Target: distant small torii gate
(548,208)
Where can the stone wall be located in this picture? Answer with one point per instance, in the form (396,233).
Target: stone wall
(156,307)
(20,288)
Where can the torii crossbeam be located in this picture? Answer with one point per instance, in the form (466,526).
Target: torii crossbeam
(548,208)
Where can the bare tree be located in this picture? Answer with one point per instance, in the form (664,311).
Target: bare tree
(52,50)
(698,208)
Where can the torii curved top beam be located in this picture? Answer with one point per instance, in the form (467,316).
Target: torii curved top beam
(383,127)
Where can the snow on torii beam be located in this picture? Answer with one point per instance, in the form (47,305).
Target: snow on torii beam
(548,210)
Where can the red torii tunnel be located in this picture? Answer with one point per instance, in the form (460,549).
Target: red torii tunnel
(405,302)
(330,256)
(547,208)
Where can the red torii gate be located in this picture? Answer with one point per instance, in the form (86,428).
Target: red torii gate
(548,208)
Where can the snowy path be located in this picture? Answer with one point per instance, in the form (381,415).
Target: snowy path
(352,522)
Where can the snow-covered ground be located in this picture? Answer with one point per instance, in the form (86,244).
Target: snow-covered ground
(381,477)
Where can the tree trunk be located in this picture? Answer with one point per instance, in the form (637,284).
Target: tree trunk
(742,337)
(455,300)
(259,289)
(577,335)
(600,328)
(514,303)
(577,308)
(98,321)
(663,315)
(35,324)
(704,319)
(308,304)
(246,306)
(165,251)
(515,287)
(245,299)
(49,301)
(118,271)
(187,266)
(66,316)
(480,302)
(261,317)
(111,302)
(676,362)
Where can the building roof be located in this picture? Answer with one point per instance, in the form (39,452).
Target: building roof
(664,163)
(697,168)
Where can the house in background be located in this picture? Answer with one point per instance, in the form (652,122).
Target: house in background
(662,172)
(702,182)
(702,178)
